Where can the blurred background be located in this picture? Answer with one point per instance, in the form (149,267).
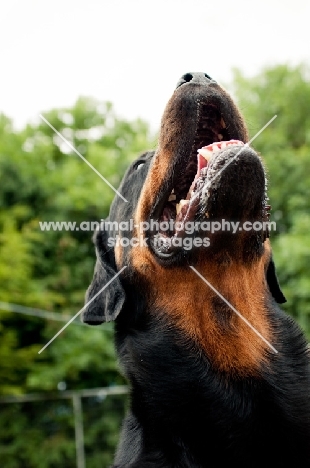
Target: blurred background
(101,73)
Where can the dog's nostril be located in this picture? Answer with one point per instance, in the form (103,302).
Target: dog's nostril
(187,77)
(199,78)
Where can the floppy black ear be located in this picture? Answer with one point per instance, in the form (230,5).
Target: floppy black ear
(105,296)
(273,283)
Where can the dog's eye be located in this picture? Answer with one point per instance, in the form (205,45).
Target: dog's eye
(139,164)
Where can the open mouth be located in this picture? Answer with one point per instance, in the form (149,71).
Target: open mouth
(186,208)
(188,198)
(208,132)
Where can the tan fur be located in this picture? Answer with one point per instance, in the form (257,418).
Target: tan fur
(186,301)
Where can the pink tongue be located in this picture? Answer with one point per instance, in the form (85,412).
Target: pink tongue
(204,155)
(201,163)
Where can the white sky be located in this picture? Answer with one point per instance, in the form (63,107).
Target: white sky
(133,52)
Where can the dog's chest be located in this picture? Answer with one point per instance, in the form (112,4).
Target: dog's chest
(172,376)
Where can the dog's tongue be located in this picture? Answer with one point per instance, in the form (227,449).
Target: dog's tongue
(203,157)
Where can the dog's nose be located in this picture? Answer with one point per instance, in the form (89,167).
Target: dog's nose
(199,78)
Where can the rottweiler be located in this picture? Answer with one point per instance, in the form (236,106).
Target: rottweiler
(218,374)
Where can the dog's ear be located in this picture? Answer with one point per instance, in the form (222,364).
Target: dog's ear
(103,300)
(273,283)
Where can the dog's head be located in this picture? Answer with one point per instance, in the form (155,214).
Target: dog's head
(199,198)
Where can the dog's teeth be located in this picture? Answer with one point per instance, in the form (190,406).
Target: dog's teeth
(205,153)
(180,205)
(223,123)
(220,137)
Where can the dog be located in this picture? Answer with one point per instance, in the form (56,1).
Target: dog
(218,374)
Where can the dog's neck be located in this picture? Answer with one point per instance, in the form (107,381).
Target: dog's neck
(225,315)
